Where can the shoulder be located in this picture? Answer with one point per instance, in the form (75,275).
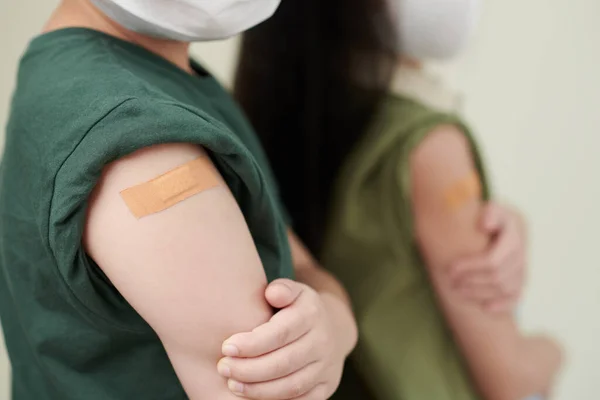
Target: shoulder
(151,162)
(119,127)
(426,144)
(153,176)
(444,173)
(408,122)
(139,127)
(75,76)
(444,147)
(80,153)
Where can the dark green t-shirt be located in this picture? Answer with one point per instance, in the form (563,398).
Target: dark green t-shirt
(84,99)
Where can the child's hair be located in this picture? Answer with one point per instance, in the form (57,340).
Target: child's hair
(310,80)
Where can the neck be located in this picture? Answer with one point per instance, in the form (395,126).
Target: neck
(83,14)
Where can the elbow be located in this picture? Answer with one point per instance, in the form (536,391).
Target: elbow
(531,372)
(517,382)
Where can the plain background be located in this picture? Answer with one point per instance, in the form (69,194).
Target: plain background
(532,92)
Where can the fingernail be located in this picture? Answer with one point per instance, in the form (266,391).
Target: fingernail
(282,285)
(286,287)
(223,368)
(230,350)
(235,386)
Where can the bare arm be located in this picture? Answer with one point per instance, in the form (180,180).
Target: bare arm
(191,271)
(504,364)
(335,298)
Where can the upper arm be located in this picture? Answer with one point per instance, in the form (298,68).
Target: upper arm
(192,271)
(445,232)
(445,229)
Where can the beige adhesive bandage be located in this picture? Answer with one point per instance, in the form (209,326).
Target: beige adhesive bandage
(171,188)
(463,191)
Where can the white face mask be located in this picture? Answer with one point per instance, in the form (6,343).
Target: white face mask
(188,20)
(434,29)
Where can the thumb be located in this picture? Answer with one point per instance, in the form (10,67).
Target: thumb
(493,218)
(282,293)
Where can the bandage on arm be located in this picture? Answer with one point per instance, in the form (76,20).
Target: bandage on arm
(191,270)
(446,204)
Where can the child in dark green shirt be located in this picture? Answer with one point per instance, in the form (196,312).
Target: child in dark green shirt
(97,303)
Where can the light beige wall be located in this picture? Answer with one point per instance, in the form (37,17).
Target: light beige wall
(18,21)
(532,88)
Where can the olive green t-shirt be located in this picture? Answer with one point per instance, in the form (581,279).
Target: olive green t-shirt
(84,99)
(405,349)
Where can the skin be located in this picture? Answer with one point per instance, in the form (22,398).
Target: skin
(505,365)
(173,269)
(494,277)
(248,302)
(184,288)
(158,266)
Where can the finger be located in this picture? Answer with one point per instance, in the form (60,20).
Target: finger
(466,267)
(274,365)
(508,279)
(283,292)
(493,217)
(503,246)
(504,305)
(285,327)
(489,276)
(495,298)
(490,294)
(319,392)
(507,239)
(476,279)
(505,281)
(289,387)
(497,258)
(511,282)
(480,294)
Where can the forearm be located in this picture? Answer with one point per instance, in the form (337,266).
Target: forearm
(529,370)
(322,281)
(504,364)
(447,203)
(542,360)
(334,296)
(336,301)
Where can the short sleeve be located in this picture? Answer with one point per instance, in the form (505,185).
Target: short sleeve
(397,169)
(132,125)
(395,303)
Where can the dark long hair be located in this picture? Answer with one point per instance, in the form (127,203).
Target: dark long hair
(310,80)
